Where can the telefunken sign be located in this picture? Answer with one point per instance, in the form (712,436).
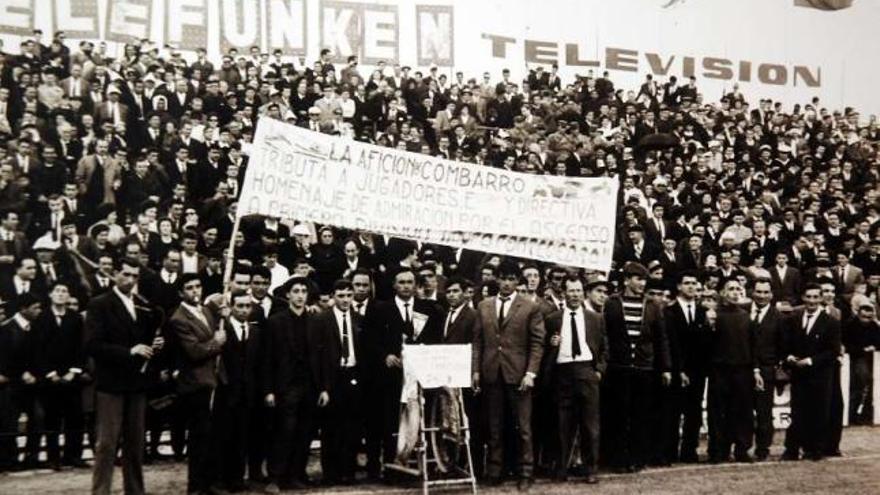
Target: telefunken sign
(630,60)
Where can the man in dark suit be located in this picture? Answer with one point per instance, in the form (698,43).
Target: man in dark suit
(638,249)
(578,353)
(289,386)
(120,339)
(689,343)
(24,374)
(785,281)
(459,328)
(402,320)
(201,342)
(656,227)
(62,362)
(338,358)
(766,327)
(811,346)
(237,422)
(508,346)
(732,378)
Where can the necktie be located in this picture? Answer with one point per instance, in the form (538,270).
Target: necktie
(501,309)
(345,352)
(575,338)
(244,332)
(755,315)
(360,308)
(638,250)
(449,321)
(807,322)
(407,318)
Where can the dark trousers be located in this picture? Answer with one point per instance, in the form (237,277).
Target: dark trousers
(545,429)
(835,424)
(501,397)
(473,407)
(341,429)
(172,417)
(692,414)
(730,410)
(29,401)
(861,410)
(63,406)
(810,410)
(236,430)
(292,435)
(383,419)
(668,404)
(764,413)
(626,411)
(577,403)
(119,416)
(8,430)
(202,458)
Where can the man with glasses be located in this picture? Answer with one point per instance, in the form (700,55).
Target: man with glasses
(508,346)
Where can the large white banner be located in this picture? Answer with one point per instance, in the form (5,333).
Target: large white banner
(299,174)
(787,50)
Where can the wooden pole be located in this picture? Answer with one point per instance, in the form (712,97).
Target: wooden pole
(227,278)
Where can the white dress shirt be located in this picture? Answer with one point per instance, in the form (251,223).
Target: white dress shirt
(400,307)
(127,301)
(689,308)
(352,360)
(761,312)
(240,328)
(507,304)
(565,341)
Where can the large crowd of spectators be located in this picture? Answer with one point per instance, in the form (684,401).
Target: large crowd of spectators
(138,160)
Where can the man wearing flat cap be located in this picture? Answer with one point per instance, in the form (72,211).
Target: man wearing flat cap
(638,357)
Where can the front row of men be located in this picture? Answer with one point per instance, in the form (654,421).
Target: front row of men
(339,370)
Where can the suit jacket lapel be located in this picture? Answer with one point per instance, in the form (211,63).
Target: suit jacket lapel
(197,322)
(511,312)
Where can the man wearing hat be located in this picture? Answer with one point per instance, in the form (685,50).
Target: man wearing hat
(638,249)
(638,353)
(112,110)
(576,361)
(598,288)
(508,346)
